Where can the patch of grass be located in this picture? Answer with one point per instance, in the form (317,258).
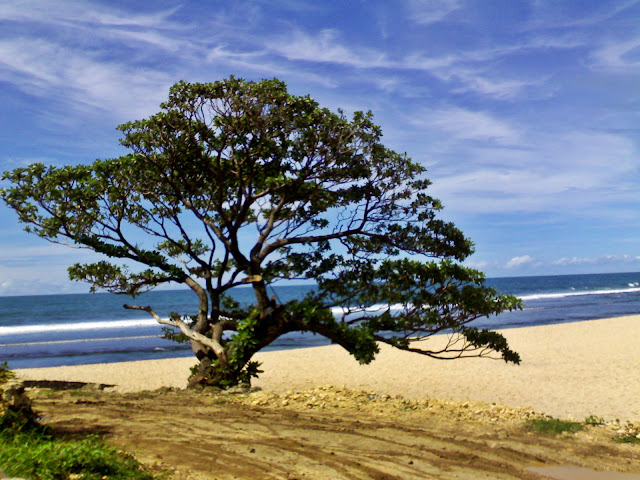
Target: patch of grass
(594,421)
(628,439)
(38,455)
(554,426)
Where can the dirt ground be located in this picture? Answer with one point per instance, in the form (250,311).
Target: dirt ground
(328,433)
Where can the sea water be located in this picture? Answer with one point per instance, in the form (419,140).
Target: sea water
(54,330)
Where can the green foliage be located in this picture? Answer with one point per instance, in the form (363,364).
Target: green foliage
(5,373)
(14,418)
(23,420)
(225,376)
(41,456)
(241,183)
(628,439)
(594,421)
(236,369)
(554,426)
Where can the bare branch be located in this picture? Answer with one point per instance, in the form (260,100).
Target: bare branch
(184,328)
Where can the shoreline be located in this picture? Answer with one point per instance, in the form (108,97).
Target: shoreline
(568,370)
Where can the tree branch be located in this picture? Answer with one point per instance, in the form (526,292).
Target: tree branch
(184,328)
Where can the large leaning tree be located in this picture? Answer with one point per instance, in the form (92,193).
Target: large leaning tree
(238,183)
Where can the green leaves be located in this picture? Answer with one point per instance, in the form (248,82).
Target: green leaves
(117,279)
(403,302)
(492,341)
(40,455)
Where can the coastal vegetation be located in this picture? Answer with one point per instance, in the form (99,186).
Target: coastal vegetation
(238,183)
(555,426)
(32,450)
(37,454)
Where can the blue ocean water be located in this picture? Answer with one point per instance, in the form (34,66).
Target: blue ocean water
(54,330)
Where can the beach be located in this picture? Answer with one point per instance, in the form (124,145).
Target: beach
(570,370)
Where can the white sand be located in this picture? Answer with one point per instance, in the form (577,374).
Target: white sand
(568,370)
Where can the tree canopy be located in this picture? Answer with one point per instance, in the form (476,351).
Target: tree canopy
(240,183)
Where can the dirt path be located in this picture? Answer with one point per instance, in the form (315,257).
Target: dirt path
(345,436)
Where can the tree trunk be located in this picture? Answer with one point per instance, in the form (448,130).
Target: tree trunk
(224,374)
(211,373)
(234,366)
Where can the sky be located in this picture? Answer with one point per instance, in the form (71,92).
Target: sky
(526,114)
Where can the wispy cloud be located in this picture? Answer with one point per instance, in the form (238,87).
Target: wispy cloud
(576,170)
(326,47)
(38,270)
(499,88)
(603,260)
(551,14)
(460,69)
(258,61)
(622,56)
(21,281)
(66,54)
(37,254)
(463,124)
(74,12)
(81,79)
(425,12)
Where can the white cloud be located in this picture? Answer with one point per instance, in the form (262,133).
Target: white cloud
(517,262)
(478,265)
(81,78)
(425,12)
(460,69)
(256,61)
(468,125)
(70,54)
(74,12)
(550,14)
(52,283)
(45,252)
(569,172)
(621,56)
(603,260)
(326,47)
(565,261)
(498,88)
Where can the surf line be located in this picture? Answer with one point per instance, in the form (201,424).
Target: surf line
(57,342)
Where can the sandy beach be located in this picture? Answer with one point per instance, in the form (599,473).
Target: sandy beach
(568,370)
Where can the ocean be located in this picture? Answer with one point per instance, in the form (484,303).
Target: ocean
(75,329)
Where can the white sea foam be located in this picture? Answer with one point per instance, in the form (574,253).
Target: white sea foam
(573,293)
(340,311)
(82,340)
(74,327)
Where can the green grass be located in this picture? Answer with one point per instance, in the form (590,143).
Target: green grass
(34,451)
(594,421)
(553,426)
(38,455)
(628,439)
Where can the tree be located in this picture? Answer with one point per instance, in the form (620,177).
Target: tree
(241,183)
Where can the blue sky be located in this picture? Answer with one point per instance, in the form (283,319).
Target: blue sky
(526,113)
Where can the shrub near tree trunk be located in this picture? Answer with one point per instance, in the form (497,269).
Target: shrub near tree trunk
(15,406)
(241,183)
